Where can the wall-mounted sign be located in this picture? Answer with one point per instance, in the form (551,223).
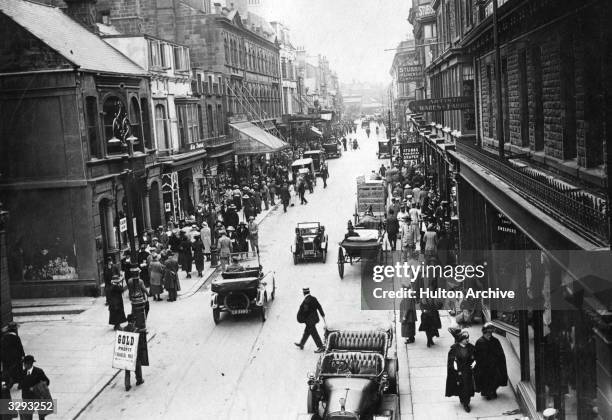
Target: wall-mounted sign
(411,151)
(409,73)
(424,11)
(442,104)
(123,224)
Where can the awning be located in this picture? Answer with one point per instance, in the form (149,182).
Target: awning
(253,140)
(316,131)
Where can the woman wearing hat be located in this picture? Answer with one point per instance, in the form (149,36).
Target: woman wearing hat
(156,273)
(490,372)
(116,313)
(459,376)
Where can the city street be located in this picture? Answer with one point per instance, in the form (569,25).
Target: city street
(241,368)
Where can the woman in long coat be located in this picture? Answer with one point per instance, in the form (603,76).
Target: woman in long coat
(185,257)
(206,237)
(156,274)
(490,372)
(198,254)
(116,313)
(459,377)
(408,318)
(430,320)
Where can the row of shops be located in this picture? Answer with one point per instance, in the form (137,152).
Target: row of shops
(559,328)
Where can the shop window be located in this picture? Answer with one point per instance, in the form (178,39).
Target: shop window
(93,136)
(161,126)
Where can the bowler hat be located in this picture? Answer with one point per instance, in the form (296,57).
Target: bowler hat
(306,290)
(29,359)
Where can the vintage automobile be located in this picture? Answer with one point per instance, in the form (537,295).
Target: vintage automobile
(332,148)
(310,242)
(242,291)
(298,166)
(383,149)
(318,158)
(355,378)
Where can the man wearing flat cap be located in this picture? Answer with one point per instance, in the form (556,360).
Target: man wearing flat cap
(490,371)
(308,314)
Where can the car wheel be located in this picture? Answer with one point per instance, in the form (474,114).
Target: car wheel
(324,256)
(311,406)
(216,315)
(340,262)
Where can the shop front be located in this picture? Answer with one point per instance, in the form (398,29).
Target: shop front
(558,325)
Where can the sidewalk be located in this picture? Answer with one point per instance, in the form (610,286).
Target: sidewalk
(73,343)
(422,373)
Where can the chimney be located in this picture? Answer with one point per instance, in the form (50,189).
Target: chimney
(217,8)
(84,12)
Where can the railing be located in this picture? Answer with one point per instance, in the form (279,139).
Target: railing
(581,212)
(218,141)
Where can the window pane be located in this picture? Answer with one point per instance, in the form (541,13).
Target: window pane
(91,105)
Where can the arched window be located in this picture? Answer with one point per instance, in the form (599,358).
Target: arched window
(161,126)
(115,125)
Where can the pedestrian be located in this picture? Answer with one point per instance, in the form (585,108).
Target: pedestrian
(116,313)
(382,171)
(459,376)
(309,182)
(344,143)
(198,254)
(257,197)
(231,217)
(225,249)
(430,319)
(242,235)
(392,229)
(206,237)
(406,239)
(430,240)
(156,273)
(12,353)
(253,234)
(143,256)
(308,314)
(324,175)
(34,385)
(142,352)
(138,297)
(490,371)
(265,195)
(185,256)
(272,189)
(111,269)
(171,280)
(302,191)
(408,317)
(285,197)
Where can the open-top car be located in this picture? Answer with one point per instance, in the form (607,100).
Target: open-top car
(242,288)
(310,242)
(356,377)
(332,148)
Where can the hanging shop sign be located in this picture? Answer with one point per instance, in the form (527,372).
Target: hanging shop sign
(424,11)
(442,104)
(411,151)
(409,73)
(123,224)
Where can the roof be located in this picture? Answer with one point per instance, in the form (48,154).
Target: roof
(68,37)
(254,140)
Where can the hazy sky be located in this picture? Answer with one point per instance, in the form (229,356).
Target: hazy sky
(353,34)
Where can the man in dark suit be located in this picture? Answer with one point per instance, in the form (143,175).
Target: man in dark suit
(309,314)
(285,196)
(12,352)
(31,377)
(392,229)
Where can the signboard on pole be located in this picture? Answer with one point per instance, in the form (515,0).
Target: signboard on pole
(126,350)
(442,104)
(123,224)
(409,73)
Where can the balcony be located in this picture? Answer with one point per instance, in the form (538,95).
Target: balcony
(581,211)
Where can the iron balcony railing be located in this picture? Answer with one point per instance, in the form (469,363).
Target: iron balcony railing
(584,213)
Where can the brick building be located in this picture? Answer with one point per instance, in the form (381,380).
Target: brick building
(527,166)
(76,141)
